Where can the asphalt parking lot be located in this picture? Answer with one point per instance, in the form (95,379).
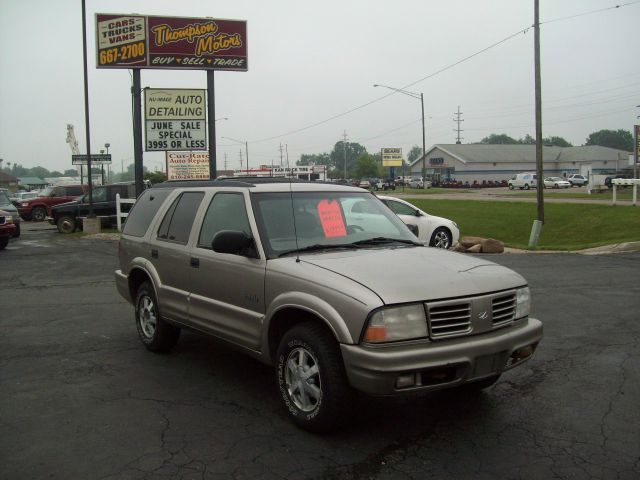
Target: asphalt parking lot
(80,398)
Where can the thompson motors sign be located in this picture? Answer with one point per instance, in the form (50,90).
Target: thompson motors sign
(142,41)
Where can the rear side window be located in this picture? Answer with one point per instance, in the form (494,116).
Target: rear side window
(399,208)
(178,220)
(143,212)
(73,191)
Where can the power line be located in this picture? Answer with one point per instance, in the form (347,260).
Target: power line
(590,12)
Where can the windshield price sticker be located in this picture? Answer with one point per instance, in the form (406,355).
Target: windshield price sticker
(331,219)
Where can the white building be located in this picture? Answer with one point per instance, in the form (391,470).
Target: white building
(478,162)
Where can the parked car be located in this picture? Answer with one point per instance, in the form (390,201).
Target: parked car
(435,231)
(523,181)
(607,180)
(36,208)
(419,183)
(365,184)
(577,180)
(7,228)
(325,283)
(7,206)
(387,184)
(68,217)
(556,182)
(18,197)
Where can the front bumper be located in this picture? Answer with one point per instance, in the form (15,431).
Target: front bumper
(383,369)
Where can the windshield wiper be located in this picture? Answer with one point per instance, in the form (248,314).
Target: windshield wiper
(386,240)
(316,247)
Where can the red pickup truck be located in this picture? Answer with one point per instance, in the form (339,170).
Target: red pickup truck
(36,208)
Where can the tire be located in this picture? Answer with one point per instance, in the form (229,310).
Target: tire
(155,334)
(66,224)
(510,187)
(526,186)
(16,233)
(4,241)
(38,214)
(311,378)
(441,238)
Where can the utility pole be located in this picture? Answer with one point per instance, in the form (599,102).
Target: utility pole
(240,160)
(225,160)
(280,148)
(344,149)
(458,120)
(537,224)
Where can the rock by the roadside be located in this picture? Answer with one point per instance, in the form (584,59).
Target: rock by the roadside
(458,248)
(467,242)
(491,245)
(477,248)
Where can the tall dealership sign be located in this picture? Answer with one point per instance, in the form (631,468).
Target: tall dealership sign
(141,41)
(391,157)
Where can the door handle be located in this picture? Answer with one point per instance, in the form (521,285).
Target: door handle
(195,262)
(154,253)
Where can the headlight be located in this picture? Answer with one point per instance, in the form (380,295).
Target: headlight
(396,323)
(523,302)
(25,204)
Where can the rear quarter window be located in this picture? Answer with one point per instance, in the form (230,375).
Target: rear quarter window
(143,211)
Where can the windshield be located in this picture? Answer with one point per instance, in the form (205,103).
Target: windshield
(4,199)
(325,219)
(46,192)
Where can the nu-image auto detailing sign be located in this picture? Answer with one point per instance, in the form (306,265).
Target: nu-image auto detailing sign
(141,41)
(175,119)
(187,165)
(391,157)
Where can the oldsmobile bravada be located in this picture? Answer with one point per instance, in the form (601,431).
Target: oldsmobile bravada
(325,283)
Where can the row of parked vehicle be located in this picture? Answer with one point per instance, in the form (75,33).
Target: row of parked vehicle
(525,181)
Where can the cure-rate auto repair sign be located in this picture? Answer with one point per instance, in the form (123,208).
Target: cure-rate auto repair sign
(175,119)
(140,41)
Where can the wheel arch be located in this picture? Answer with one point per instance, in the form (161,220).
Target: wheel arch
(137,277)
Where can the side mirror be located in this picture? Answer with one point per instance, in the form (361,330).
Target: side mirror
(418,213)
(234,242)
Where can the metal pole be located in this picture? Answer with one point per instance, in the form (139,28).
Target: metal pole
(211,113)
(246,151)
(137,132)
(423,137)
(86,108)
(538,87)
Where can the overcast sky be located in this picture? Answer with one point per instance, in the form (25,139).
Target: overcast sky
(310,61)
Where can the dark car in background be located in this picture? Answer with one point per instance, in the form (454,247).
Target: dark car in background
(36,208)
(68,217)
(607,181)
(7,206)
(7,228)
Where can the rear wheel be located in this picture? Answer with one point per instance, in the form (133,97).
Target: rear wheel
(66,224)
(311,378)
(441,238)
(157,335)
(4,241)
(39,214)
(526,186)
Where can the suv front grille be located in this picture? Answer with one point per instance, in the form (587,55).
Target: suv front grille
(503,308)
(470,316)
(449,319)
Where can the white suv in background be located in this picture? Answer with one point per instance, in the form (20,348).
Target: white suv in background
(523,180)
(577,180)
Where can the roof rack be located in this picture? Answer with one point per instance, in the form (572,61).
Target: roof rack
(228,181)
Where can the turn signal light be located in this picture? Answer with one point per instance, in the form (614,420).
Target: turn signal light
(375,334)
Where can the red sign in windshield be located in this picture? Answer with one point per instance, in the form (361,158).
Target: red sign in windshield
(331,219)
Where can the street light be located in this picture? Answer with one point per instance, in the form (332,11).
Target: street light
(107,145)
(421,97)
(246,148)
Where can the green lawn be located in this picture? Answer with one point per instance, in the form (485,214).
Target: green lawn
(568,226)
(622,194)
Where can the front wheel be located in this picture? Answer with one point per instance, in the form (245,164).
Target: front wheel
(66,224)
(157,335)
(4,241)
(39,214)
(526,186)
(441,238)
(311,378)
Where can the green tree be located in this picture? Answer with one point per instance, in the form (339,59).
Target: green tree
(620,139)
(556,142)
(71,172)
(56,173)
(414,154)
(155,177)
(350,150)
(527,140)
(499,139)
(366,166)
(39,172)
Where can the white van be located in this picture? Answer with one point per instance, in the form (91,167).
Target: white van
(523,180)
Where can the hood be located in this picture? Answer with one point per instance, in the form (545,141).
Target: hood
(67,204)
(401,275)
